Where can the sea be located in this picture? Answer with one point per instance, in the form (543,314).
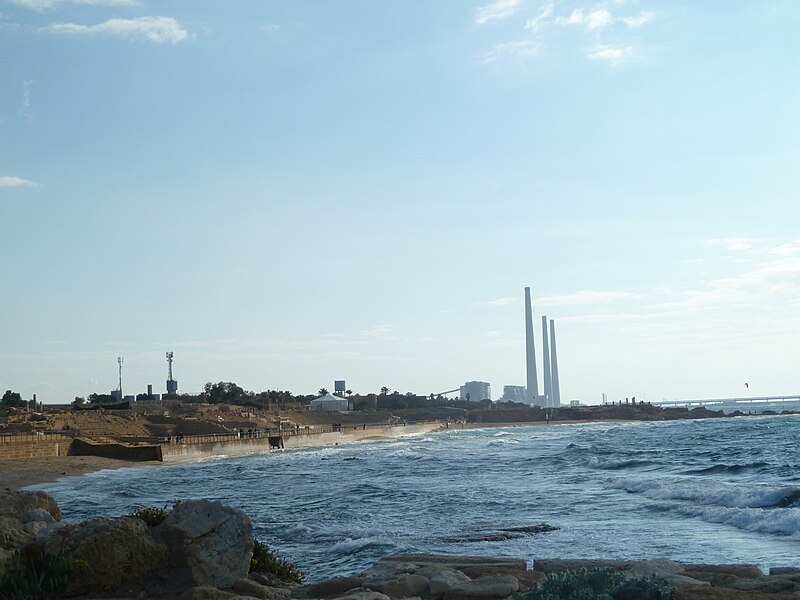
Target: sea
(710,491)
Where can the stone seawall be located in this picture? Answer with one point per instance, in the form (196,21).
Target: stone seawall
(181,452)
(35,448)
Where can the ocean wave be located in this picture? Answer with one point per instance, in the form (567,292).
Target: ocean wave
(782,522)
(616,465)
(353,545)
(733,469)
(706,495)
(502,442)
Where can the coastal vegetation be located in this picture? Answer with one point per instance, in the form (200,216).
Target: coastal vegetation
(598,584)
(266,562)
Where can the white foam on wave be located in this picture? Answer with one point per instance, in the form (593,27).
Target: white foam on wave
(350,545)
(705,494)
(775,522)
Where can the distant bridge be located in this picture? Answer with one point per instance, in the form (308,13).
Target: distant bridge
(726,402)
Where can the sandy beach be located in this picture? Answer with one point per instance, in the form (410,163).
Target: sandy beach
(17,474)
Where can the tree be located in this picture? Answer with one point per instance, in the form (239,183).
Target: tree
(384,391)
(348,392)
(225,392)
(78,402)
(101,399)
(12,399)
(323,392)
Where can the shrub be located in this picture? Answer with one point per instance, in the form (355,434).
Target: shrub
(597,584)
(265,562)
(151,515)
(33,575)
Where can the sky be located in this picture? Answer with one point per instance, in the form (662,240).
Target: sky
(284,193)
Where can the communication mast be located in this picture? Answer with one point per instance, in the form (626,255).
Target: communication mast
(172,385)
(120,360)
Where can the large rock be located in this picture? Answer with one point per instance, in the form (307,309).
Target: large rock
(445,580)
(16,504)
(361,594)
(721,593)
(490,587)
(209,543)
(13,534)
(327,589)
(247,587)
(558,565)
(205,592)
(115,553)
(402,585)
(664,568)
(738,570)
(37,515)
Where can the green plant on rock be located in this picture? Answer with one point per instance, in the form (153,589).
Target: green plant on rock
(33,575)
(598,584)
(152,515)
(265,562)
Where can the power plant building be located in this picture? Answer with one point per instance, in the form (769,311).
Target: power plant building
(475,391)
(515,393)
(551,394)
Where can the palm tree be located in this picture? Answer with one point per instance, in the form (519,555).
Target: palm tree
(349,392)
(323,392)
(384,390)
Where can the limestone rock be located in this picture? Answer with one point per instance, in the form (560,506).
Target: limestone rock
(720,593)
(739,570)
(558,565)
(784,571)
(715,579)
(364,595)
(668,570)
(402,585)
(459,563)
(767,585)
(445,580)
(12,534)
(209,542)
(15,504)
(485,588)
(205,592)
(34,527)
(116,552)
(37,515)
(248,587)
(327,589)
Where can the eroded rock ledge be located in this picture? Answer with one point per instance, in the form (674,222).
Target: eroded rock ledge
(202,551)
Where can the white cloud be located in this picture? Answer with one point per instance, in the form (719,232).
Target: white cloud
(25,102)
(379,330)
(7,181)
(159,30)
(42,5)
(519,51)
(500,302)
(734,243)
(611,53)
(643,17)
(593,19)
(496,11)
(535,23)
(586,297)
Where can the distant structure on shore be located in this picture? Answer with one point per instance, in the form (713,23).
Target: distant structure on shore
(172,385)
(475,391)
(551,396)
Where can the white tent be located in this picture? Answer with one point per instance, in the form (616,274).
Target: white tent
(329,403)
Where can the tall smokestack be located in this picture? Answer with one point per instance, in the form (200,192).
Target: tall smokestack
(548,386)
(530,352)
(556,401)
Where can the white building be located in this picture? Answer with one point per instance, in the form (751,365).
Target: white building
(475,391)
(515,393)
(330,403)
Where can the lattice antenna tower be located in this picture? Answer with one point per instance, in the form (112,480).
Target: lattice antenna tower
(120,360)
(169,365)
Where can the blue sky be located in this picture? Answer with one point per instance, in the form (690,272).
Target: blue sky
(288,193)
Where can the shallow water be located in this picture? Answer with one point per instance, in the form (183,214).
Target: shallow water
(721,490)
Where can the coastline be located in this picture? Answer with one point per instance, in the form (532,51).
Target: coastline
(18,474)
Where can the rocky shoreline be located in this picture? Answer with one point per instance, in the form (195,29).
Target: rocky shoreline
(203,550)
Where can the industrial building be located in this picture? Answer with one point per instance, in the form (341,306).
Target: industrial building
(475,391)
(551,394)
